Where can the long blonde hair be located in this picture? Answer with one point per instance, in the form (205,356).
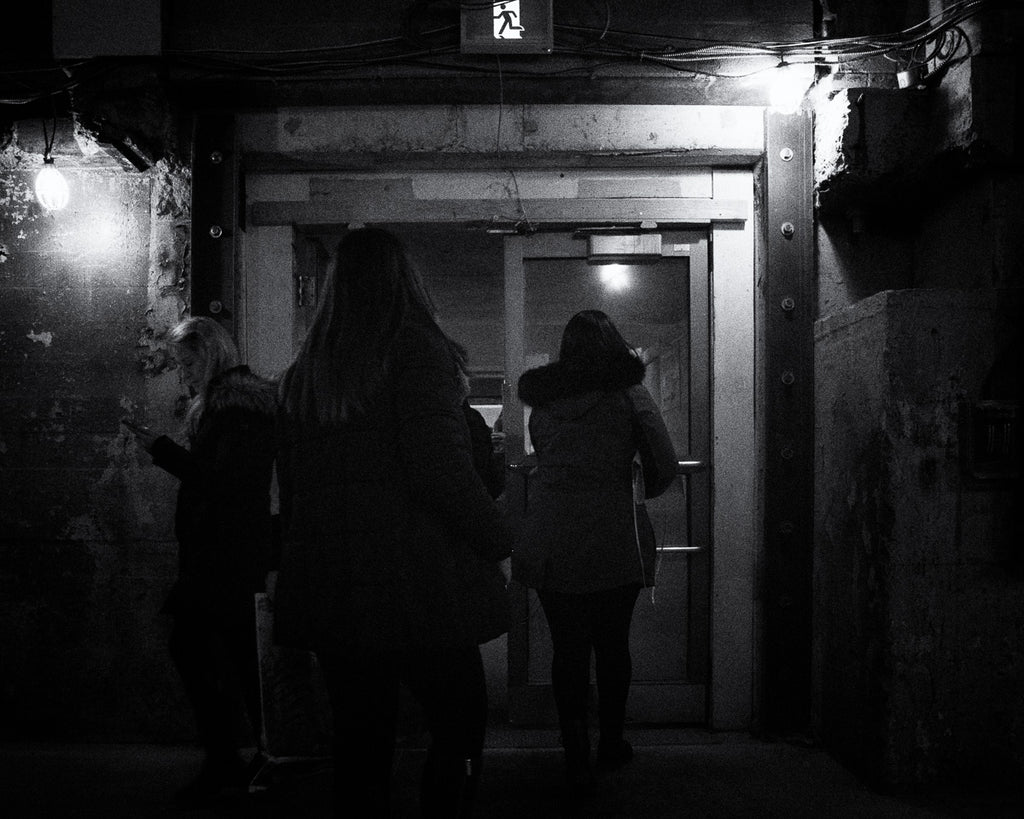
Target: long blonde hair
(372,293)
(204,335)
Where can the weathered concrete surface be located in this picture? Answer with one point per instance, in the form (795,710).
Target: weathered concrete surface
(878,149)
(918,616)
(86,543)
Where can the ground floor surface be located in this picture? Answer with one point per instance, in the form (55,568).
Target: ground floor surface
(675,773)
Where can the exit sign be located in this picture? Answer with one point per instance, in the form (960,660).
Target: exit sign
(510,27)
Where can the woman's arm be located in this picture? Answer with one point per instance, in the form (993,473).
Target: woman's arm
(436,450)
(657,453)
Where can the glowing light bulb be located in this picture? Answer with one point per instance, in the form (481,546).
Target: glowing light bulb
(51,187)
(790,82)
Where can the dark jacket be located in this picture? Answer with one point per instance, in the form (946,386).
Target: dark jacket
(222,520)
(391,541)
(586,427)
(490,466)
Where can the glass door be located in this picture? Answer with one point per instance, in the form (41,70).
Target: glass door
(655,289)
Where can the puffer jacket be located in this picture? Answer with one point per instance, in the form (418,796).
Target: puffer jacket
(391,540)
(586,427)
(223,517)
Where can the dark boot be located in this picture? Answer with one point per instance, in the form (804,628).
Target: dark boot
(579,774)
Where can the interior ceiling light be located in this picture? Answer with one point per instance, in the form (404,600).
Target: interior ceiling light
(51,187)
(614,276)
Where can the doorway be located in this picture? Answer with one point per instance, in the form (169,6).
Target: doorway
(703,621)
(655,287)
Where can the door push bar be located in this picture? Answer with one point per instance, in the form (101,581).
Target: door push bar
(689,467)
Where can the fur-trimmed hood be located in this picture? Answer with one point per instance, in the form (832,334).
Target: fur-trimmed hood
(240,388)
(552,382)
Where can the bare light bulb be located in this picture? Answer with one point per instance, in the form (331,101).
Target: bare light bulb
(51,187)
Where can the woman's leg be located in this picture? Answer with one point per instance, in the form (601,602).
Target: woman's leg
(612,616)
(200,653)
(241,646)
(452,690)
(200,656)
(363,689)
(571,640)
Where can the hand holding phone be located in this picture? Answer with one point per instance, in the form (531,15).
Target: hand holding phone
(143,434)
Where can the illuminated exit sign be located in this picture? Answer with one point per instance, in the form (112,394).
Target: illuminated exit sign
(510,27)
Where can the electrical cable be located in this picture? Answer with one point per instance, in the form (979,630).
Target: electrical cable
(523,219)
(580,48)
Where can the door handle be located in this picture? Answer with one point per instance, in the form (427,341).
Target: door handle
(690,466)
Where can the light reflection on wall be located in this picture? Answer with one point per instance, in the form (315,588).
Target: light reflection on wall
(99,234)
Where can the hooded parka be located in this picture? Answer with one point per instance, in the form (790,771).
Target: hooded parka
(586,426)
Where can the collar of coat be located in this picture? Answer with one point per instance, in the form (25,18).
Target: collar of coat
(240,388)
(551,382)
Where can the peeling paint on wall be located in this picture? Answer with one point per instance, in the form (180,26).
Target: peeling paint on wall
(86,522)
(44,338)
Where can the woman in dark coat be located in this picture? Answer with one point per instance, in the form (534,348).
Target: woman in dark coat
(223,526)
(579,547)
(390,565)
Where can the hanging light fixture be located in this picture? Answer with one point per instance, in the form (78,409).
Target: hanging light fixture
(51,187)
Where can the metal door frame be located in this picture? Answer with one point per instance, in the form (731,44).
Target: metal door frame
(265,293)
(533,702)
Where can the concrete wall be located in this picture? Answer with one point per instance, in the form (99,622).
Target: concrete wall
(916,606)
(86,543)
(918,565)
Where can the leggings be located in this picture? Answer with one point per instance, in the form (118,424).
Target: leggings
(219,669)
(364,689)
(581,624)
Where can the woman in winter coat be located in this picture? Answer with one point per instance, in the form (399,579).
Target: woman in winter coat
(223,526)
(591,416)
(390,564)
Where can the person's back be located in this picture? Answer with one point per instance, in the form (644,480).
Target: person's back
(579,546)
(389,490)
(580,511)
(390,561)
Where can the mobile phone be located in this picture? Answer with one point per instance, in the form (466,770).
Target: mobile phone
(134,427)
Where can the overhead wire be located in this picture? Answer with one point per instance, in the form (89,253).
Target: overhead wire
(579,48)
(523,219)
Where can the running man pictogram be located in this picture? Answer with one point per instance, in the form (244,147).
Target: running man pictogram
(508,14)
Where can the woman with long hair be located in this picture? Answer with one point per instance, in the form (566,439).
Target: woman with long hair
(579,546)
(224,530)
(390,565)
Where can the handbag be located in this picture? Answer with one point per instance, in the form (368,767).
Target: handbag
(646,542)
